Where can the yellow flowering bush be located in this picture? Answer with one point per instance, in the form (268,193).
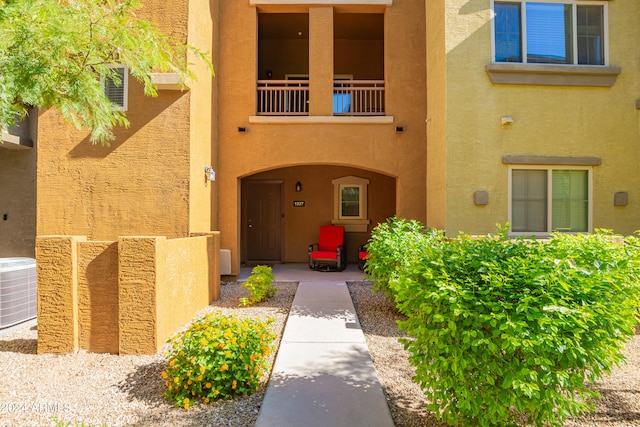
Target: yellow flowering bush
(218,356)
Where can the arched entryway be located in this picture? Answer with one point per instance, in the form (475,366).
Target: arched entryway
(282,209)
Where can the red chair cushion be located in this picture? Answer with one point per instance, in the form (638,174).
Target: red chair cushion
(324,255)
(363,255)
(331,236)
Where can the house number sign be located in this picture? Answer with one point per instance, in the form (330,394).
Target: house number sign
(298,203)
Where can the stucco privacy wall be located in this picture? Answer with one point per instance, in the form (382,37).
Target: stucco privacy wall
(567,121)
(123,297)
(363,145)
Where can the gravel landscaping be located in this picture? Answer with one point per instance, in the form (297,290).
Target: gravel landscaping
(110,390)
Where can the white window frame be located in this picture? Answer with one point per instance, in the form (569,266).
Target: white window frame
(550,170)
(351,223)
(124,87)
(523,20)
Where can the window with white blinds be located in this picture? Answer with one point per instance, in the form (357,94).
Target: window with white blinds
(115,87)
(552,32)
(548,200)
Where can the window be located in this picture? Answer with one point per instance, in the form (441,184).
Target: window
(350,203)
(568,32)
(116,87)
(547,200)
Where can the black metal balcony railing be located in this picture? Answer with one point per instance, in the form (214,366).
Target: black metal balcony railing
(350,98)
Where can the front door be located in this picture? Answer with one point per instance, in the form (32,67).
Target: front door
(262,220)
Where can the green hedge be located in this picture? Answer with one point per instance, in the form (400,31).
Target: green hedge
(509,332)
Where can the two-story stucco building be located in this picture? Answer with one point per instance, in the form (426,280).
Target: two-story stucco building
(462,114)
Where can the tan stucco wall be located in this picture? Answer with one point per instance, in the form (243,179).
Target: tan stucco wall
(373,147)
(320,57)
(17,202)
(436,115)
(150,180)
(137,185)
(203,18)
(547,121)
(180,292)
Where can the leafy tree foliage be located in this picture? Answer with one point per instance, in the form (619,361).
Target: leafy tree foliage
(53,52)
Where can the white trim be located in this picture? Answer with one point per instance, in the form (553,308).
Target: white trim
(549,169)
(351,224)
(167,81)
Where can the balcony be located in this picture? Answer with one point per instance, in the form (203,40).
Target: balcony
(350,98)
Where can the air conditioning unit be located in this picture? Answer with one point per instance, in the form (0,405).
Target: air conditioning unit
(225,262)
(17,290)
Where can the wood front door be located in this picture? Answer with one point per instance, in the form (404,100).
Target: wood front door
(262,220)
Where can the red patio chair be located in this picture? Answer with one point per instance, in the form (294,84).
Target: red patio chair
(362,257)
(329,254)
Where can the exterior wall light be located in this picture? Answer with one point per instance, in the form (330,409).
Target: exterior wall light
(298,187)
(209,174)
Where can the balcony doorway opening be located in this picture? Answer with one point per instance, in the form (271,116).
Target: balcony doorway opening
(283,64)
(358,53)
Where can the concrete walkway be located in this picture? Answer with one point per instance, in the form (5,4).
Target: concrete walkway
(323,374)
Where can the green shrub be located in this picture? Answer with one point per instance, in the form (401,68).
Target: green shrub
(394,246)
(259,285)
(506,332)
(218,356)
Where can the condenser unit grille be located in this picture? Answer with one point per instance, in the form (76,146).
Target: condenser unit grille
(17,290)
